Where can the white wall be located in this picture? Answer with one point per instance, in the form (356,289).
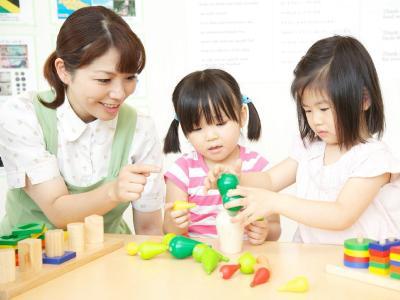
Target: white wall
(268,36)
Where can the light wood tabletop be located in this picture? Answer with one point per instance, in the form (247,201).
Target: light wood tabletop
(120,276)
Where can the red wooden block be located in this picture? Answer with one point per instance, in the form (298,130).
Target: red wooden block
(356,259)
(395,269)
(380,259)
(395,249)
(373,252)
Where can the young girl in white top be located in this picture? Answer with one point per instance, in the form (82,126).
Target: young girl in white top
(211,111)
(347,180)
(78,149)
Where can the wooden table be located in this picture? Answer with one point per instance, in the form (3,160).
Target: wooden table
(119,276)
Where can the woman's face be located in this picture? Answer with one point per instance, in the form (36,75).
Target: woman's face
(97,91)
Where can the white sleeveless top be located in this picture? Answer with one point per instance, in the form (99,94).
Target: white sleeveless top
(317,181)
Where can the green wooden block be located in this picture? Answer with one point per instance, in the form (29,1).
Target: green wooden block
(354,244)
(379,265)
(28,229)
(12,240)
(395,275)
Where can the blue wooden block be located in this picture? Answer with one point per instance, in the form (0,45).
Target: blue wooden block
(355,264)
(58,260)
(384,247)
(395,263)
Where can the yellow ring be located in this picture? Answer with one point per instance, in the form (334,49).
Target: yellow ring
(356,253)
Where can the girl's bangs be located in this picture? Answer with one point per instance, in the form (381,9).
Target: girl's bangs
(214,108)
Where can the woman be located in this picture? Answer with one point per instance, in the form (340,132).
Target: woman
(78,150)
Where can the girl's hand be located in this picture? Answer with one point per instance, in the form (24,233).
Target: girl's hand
(210,182)
(130,182)
(257,203)
(257,231)
(179,217)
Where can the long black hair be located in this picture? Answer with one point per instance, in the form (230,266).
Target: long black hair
(210,94)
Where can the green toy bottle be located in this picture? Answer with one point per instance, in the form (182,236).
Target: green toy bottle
(230,235)
(225,183)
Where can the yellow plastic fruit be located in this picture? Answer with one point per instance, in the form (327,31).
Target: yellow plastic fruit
(298,284)
(131,248)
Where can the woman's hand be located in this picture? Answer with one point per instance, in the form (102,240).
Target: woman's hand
(210,182)
(179,217)
(130,182)
(257,203)
(257,231)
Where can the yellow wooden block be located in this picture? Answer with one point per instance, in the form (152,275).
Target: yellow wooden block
(379,271)
(395,256)
(356,253)
(8,247)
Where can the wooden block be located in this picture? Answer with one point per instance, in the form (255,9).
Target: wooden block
(364,276)
(7,265)
(373,252)
(394,256)
(356,253)
(26,281)
(395,263)
(59,259)
(94,229)
(28,229)
(395,269)
(356,259)
(356,265)
(357,244)
(8,247)
(378,265)
(384,245)
(12,240)
(395,249)
(395,276)
(378,259)
(378,271)
(76,237)
(30,255)
(54,243)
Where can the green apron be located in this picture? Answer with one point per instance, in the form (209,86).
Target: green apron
(20,208)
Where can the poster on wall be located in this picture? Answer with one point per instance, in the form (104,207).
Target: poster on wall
(16,11)
(128,9)
(16,67)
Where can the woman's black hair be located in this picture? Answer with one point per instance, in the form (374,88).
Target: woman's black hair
(341,67)
(210,94)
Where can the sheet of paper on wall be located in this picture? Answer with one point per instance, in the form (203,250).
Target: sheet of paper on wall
(128,9)
(17,67)
(20,11)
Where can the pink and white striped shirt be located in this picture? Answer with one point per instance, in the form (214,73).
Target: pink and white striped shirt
(188,173)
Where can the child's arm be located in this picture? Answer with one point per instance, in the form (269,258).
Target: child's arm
(352,201)
(176,221)
(274,227)
(275,179)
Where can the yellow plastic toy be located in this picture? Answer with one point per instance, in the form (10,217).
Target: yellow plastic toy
(181,205)
(148,250)
(131,248)
(298,284)
(168,237)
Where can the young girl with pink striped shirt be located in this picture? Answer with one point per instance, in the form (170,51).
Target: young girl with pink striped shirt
(211,111)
